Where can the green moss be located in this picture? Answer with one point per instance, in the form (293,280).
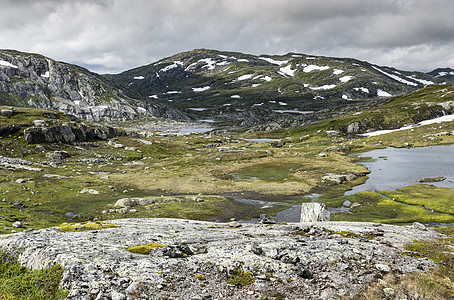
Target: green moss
(372,207)
(432,197)
(200,277)
(18,282)
(446,229)
(239,277)
(144,249)
(68,227)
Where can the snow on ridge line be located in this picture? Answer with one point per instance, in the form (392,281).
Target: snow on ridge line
(273,61)
(311,68)
(8,64)
(395,77)
(447,118)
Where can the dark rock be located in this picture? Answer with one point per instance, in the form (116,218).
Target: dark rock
(256,249)
(265,219)
(303,272)
(19,205)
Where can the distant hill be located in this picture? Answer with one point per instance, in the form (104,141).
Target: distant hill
(208,79)
(36,81)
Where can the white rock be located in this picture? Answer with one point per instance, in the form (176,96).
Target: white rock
(314,212)
(383,268)
(89,191)
(18,224)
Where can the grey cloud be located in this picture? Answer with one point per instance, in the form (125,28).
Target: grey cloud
(113,35)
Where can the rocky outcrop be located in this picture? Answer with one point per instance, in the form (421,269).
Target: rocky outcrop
(68,133)
(204,260)
(37,81)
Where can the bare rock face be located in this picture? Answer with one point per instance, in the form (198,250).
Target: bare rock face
(207,260)
(314,212)
(37,81)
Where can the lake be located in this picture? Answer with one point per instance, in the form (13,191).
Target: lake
(393,168)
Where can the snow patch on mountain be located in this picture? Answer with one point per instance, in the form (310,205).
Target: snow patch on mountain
(426,82)
(381,93)
(337,72)
(46,75)
(287,70)
(362,89)
(139,77)
(7,64)
(245,77)
(201,89)
(440,74)
(175,64)
(346,78)
(395,77)
(311,68)
(324,87)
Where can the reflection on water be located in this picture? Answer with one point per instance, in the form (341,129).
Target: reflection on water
(393,168)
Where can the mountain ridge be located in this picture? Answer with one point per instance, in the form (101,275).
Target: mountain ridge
(206,84)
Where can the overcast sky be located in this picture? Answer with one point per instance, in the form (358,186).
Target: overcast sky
(116,35)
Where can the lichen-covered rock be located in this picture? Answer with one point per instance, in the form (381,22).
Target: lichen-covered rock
(57,155)
(298,261)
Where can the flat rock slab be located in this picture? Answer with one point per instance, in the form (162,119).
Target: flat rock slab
(298,260)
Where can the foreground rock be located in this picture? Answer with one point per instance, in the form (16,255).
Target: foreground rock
(296,261)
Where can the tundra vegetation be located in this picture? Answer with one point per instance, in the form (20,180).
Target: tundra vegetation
(194,176)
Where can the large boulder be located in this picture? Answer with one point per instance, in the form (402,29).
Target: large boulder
(314,212)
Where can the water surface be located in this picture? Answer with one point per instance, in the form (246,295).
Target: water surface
(393,168)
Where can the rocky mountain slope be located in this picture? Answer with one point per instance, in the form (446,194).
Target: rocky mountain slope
(204,260)
(37,81)
(230,82)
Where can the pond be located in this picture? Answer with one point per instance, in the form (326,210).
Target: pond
(393,168)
